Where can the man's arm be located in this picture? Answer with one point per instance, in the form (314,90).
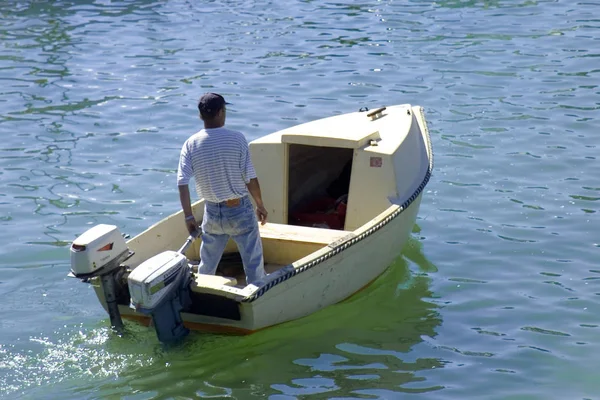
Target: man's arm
(184,197)
(186,205)
(254,189)
(184,173)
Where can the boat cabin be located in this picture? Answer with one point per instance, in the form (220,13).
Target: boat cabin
(338,172)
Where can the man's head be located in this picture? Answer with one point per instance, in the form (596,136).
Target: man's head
(212,109)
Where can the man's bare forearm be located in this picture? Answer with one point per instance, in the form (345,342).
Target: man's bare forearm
(254,189)
(184,197)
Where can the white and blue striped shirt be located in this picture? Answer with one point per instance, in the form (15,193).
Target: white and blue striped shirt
(219,160)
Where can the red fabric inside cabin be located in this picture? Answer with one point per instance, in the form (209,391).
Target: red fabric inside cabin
(326,212)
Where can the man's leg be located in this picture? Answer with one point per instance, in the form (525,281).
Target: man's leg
(250,247)
(211,251)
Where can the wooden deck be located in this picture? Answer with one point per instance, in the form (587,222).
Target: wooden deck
(282,245)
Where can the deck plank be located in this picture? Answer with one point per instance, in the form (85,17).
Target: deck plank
(303,234)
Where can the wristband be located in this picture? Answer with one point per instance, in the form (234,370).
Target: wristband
(189,218)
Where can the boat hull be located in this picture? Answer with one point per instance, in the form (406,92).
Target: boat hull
(332,275)
(337,278)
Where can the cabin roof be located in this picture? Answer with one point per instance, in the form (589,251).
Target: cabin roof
(351,131)
(337,138)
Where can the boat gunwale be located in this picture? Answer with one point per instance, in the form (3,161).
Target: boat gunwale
(352,239)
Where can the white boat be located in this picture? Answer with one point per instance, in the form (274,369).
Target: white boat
(342,194)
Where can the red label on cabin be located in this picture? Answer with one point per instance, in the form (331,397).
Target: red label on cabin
(376,162)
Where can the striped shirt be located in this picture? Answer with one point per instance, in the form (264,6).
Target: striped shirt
(219,160)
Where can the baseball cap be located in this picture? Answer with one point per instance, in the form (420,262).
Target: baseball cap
(210,104)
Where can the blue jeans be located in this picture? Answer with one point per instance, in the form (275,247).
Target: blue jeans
(221,222)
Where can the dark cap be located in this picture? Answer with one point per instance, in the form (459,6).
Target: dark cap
(210,104)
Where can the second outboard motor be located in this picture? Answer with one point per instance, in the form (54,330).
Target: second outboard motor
(98,253)
(159,287)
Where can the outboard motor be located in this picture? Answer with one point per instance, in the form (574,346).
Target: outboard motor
(160,287)
(99,252)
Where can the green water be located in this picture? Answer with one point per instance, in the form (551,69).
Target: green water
(496,294)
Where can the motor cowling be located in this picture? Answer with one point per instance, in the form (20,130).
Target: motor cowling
(97,251)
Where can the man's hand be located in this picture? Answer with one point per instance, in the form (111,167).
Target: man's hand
(191,225)
(254,189)
(186,205)
(261,214)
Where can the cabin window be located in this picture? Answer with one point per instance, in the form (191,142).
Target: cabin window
(319,180)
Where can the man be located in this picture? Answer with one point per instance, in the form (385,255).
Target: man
(219,160)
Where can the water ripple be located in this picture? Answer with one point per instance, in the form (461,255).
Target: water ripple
(97,98)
